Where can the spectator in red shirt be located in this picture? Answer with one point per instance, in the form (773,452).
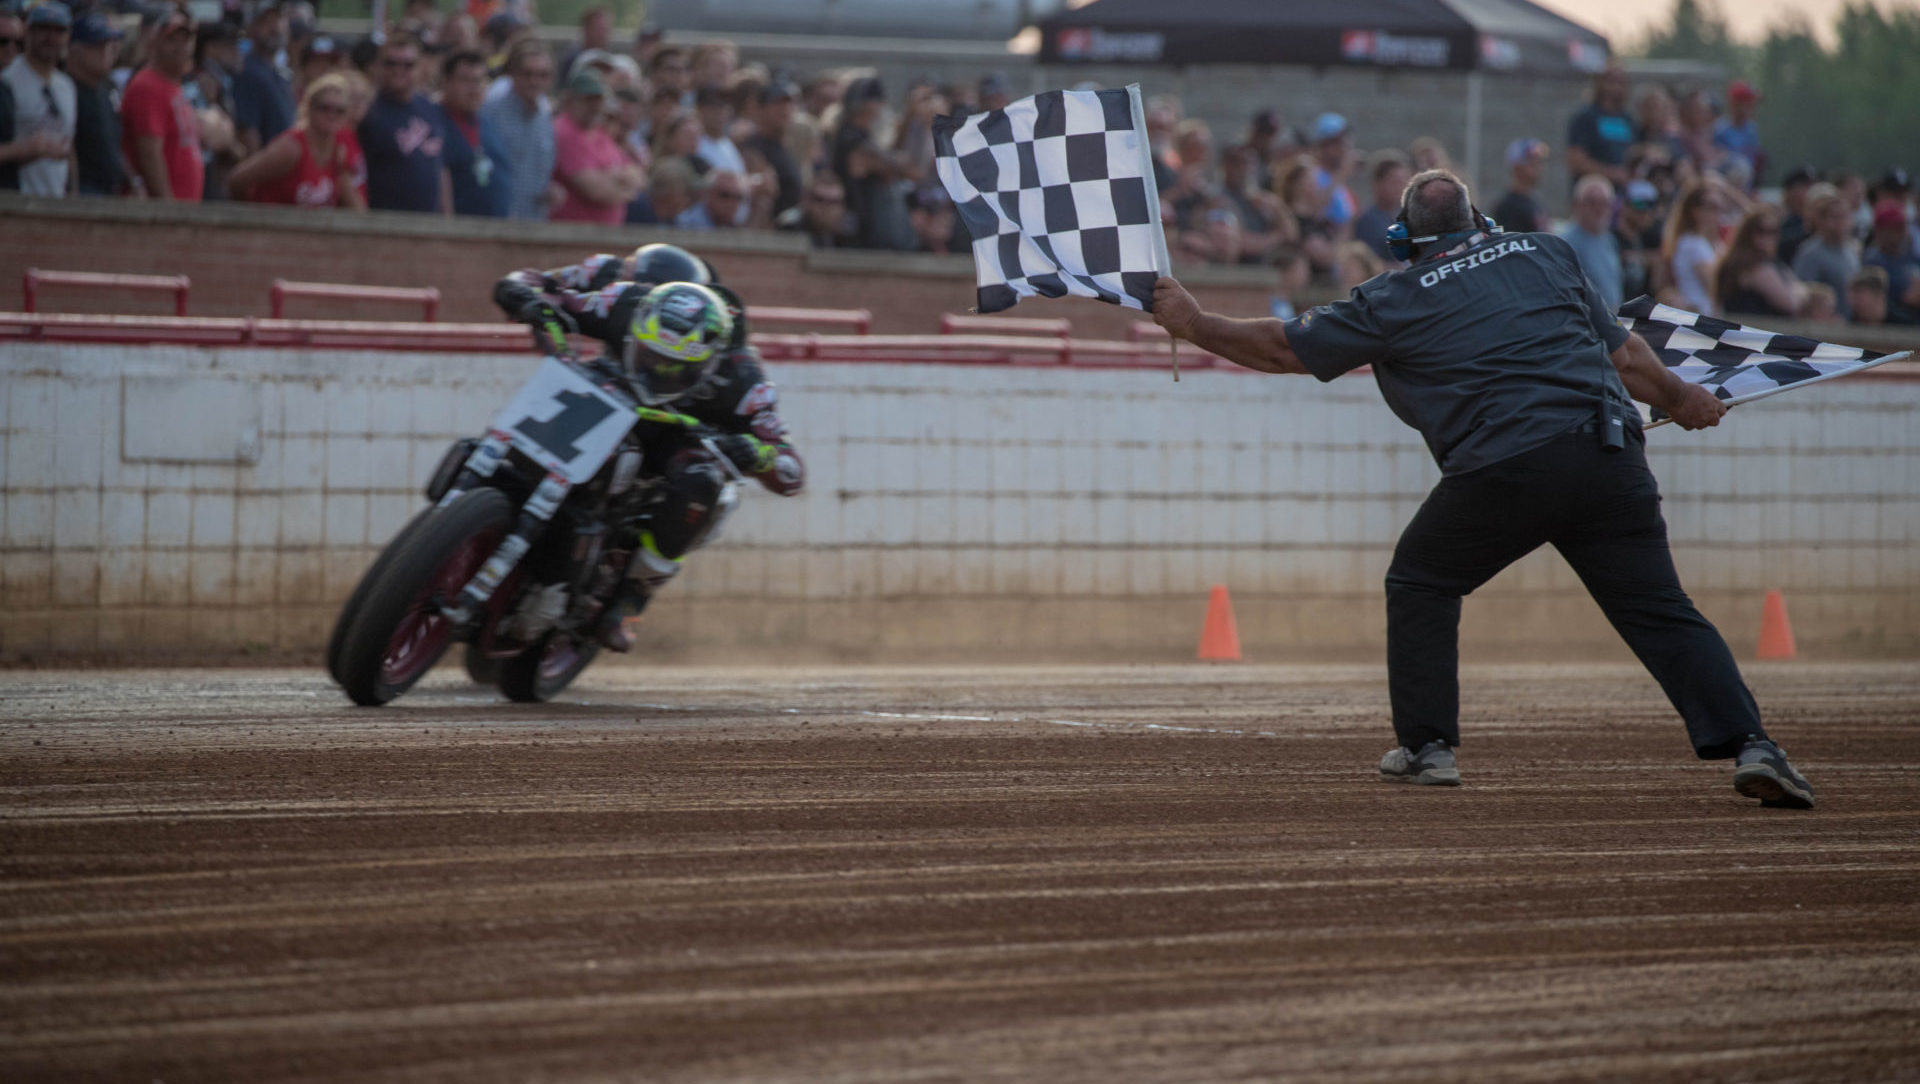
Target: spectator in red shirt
(308,165)
(599,180)
(158,131)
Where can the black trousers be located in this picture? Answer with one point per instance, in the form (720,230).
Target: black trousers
(1601,510)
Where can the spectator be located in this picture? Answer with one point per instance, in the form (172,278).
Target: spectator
(1307,202)
(96,135)
(1695,141)
(1691,248)
(401,137)
(460,33)
(1738,135)
(523,123)
(44,103)
(1831,255)
(474,158)
(1896,185)
(1795,228)
(1821,303)
(504,31)
(1429,153)
(598,179)
(1638,237)
(1291,271)
(1591,235)
(1264,222)
(994,92)
(671,188)
(1518,211)
(319,56)
(872,175)
(13,148)
(160,136)
(931,211)
(623,112)
(1599,135)
(681,139)
(596,33)
(712,63)
(1892,251)
(209,91)
(913,137)
(308,165)
(821,94)
(723,204)
(1751,280)
(1263,141)
(1355,264)
(769,144)
(1853,193)
(1388,174)
(647,41)
(1333,153)
(262,92)
(821,214)
(663,104)
(713,109)
(1656,122)
(669,71)
(1867,296)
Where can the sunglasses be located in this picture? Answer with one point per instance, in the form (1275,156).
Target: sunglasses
(17,43)
(327,109)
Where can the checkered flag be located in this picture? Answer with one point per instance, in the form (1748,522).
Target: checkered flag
(1739,363)
(1057,193)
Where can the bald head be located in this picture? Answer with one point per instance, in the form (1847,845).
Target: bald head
(1437,202)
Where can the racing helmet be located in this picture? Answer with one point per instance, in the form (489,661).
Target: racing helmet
(659,263)
(678,334)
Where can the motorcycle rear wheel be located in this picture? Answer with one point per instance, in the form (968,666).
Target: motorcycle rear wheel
(539,673)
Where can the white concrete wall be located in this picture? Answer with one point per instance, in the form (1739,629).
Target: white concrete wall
(188,501)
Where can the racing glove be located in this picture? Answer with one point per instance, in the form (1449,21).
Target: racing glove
(550,325)
(751,455)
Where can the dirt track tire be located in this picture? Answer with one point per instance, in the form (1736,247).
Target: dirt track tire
(481,668)
(352,606)
(396,637)
(533,677)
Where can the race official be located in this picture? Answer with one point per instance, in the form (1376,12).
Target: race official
(1497,348)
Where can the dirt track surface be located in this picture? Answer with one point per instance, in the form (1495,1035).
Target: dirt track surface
(880,875)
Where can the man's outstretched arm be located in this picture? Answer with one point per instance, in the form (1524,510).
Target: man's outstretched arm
(1690,405)
(1254,344)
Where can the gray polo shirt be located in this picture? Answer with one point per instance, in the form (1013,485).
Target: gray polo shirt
(1494,348)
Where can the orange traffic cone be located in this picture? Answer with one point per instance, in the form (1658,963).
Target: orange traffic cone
(1776,634)
(1219,637)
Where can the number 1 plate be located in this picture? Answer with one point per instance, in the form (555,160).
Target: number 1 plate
(565,422)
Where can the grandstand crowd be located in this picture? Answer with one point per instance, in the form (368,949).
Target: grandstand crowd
(460,113)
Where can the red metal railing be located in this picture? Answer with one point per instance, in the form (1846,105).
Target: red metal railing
(34,278)
(956,324)
(857,321)
(427,297)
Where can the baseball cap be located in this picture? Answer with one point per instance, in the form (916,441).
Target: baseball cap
(51,13)
(1889,213)
(590,57)
(93,28)
(1521,150)
(1800,175)
(1642,194)
(1896,179)
(1328,126)
(586,83)
(1742,91)
(320,46)
(780,90)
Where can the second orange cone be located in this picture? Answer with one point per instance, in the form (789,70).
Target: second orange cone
(1776,634)
(1219,637)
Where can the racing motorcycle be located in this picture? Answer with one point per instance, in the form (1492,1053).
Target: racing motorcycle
(518,552)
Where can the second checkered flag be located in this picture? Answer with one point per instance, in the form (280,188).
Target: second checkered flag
(1057,192)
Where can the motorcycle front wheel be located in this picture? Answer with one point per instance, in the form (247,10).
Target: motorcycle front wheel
(400,631)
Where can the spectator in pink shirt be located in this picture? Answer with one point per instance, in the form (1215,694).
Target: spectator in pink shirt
(599,180)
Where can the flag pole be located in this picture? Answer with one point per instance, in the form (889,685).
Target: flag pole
(1162,263)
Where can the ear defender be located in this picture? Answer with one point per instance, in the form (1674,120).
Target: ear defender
(1402,246)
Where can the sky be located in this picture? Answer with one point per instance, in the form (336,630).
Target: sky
(1625,22)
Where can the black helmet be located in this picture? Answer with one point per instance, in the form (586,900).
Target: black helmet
(657,263)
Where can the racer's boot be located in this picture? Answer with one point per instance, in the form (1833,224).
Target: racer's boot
(649,572)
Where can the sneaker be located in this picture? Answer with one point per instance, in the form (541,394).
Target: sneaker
(1432,766)
(1761,771)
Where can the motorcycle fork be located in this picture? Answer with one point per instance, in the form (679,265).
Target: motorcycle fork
(534,516)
